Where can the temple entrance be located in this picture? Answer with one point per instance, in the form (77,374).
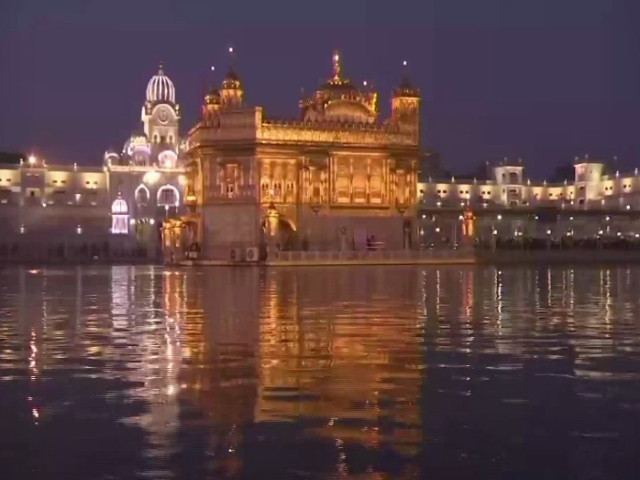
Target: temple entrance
(280,233)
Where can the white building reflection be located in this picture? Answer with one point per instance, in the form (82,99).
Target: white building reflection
(147,311)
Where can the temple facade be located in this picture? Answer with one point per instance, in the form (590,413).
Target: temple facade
(333,179)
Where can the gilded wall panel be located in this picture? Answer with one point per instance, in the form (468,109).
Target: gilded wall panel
(342,180)
(360,180)
(316,184)
(376,181)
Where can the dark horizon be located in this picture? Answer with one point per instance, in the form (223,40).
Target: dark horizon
(542,82)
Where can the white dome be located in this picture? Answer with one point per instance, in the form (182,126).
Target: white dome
(160,88)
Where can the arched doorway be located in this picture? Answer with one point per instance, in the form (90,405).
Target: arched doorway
(279,231)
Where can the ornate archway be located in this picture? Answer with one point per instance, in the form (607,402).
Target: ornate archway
(142,195)
(279,230)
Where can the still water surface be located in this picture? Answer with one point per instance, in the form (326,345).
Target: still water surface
(363,373)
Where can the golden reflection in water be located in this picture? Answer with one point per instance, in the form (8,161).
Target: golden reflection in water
(220,344)
(293,346)
(344,356)
(325,357)
(499,300)
(34,374)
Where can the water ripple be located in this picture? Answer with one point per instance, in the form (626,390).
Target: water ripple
(369,373)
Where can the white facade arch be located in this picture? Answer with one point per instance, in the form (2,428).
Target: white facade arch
(119,217)
(119,206)
(168,196)
(147,193)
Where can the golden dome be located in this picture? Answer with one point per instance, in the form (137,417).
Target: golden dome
(339,100)
(348,111)
(213,97)
(231,80)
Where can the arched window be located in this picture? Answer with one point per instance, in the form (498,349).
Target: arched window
(119,206)
(168,196)
(119,217)
(142,195)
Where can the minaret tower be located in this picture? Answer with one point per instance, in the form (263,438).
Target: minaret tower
(231,92)
(405,105)
(161,113)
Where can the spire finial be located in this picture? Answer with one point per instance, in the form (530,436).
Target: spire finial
(405,69)
(161,68)
(336,66)
(232,56)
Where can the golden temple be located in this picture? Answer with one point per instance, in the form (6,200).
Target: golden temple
(336,176)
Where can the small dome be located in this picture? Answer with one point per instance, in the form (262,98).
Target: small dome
(406,88)
(160,88)
(338,100)
(136,143)
(167,159)
(231,80)
(111,154)
(213,97)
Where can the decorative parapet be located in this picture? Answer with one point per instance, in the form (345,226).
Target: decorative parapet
(142,169)
(343,134)
(250,125)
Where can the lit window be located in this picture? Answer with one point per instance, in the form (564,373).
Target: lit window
(120,224)
(168,196)
(119,206)
(119,217)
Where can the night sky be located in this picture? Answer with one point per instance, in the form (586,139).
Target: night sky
(544,80)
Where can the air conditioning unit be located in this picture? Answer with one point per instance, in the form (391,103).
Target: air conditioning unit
(251,254)
(235,254)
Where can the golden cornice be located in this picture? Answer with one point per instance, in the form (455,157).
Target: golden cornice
(309,134)
(359,206)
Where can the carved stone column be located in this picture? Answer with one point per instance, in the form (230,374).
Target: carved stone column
(367,186)
(333,175)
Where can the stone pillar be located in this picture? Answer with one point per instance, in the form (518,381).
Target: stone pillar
(343,239)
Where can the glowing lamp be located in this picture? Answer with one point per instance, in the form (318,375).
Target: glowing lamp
(151,177)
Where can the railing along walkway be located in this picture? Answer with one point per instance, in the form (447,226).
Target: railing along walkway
(370,256)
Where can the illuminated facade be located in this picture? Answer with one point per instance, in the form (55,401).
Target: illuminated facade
(507,204)
(119,206)
(328,180)
(590,188)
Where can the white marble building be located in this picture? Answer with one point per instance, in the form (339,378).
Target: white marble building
(121,205)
